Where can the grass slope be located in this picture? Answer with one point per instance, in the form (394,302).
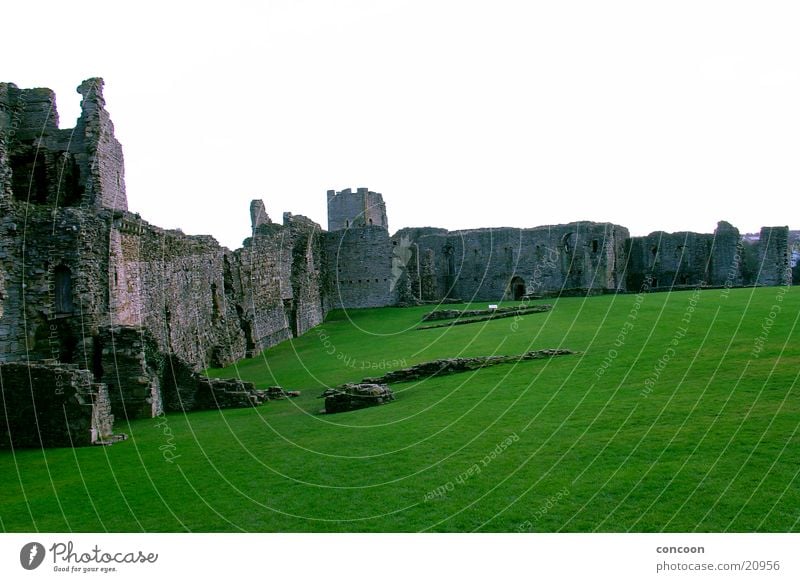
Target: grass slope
(608,440)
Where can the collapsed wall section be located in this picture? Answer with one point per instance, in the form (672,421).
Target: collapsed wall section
(51,405)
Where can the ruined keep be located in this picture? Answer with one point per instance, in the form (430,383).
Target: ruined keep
(128,315)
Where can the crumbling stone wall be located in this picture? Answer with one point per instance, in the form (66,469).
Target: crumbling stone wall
(208,305)
(57,187)
(348,209)
(774,256)
(101,288)
(726,259)
(102,156)
(258,283)
(688,259)
(81,166)
(670,260)
(429,282)
(310,285)
(51,404)
(173,285)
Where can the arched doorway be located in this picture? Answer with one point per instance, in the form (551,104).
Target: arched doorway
(517,288)
(63,290)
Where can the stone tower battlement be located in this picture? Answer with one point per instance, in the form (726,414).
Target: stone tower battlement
(348,209)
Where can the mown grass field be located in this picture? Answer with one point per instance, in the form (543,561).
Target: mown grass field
(607,440)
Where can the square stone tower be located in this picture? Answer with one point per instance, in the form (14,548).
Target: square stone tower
(348,209)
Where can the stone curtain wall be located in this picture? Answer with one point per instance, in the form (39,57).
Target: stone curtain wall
(56,187)
(174,286)
(681,259)
(688,259)
(210,306)
(481,264)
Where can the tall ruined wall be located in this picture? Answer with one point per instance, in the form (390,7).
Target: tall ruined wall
(174,286)
(348,209)
(492,264)
(359,266)
(774,256)
(6,193)
(202,305)
(102,159)
(727,256)
(259,280)
(310,283)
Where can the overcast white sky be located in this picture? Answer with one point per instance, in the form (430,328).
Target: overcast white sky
(654,115)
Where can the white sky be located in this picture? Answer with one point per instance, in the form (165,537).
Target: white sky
(653,115)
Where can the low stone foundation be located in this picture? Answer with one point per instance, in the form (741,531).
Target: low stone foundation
(455,365)
(455,317)
(52,405)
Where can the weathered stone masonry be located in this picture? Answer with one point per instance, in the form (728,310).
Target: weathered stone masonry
(84,282)
(129,314)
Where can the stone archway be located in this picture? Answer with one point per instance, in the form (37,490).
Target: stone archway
(516,288)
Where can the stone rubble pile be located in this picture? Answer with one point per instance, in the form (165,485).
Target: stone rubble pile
(354,396)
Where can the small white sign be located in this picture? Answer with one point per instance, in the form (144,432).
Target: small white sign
(493,307)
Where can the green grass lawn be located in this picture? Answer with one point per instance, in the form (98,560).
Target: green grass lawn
(606,440)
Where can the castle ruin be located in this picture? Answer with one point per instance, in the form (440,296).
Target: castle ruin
(103,315)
